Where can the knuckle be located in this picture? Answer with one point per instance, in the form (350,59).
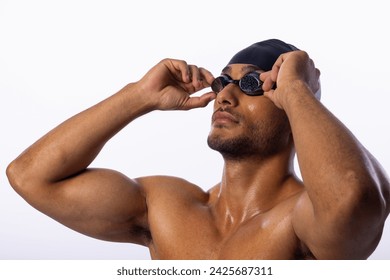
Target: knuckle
(304,53)
(165,60)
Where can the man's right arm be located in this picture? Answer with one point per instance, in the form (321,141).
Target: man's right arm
(53,176)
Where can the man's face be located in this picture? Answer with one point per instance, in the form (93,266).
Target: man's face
(244,125)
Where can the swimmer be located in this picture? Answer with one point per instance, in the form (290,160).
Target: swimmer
(266,111)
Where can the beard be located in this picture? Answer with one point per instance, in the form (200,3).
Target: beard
(263,139)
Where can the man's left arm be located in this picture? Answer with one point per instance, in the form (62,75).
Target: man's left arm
(342,212)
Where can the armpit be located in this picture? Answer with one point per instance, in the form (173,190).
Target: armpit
(303,253)
(142,234)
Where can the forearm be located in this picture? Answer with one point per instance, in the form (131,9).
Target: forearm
(73,145)
(333,164)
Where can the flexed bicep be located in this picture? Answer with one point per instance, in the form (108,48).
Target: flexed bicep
(100,203)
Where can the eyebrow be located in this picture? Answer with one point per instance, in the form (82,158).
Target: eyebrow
(245,69)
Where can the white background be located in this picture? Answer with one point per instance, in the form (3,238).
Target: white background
(60,57)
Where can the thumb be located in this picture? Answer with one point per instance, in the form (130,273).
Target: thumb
(198,101)
(273,97)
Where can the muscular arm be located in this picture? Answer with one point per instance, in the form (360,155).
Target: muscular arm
(342,213)
(53,175)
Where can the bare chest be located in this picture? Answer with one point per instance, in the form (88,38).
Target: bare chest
(195,235)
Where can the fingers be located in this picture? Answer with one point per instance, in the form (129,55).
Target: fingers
(207,77)
(178,81)
(268,82)
(187,72)
(200,77)
(198,101)
(192,76)
(179,69)
(195,76)
(270,77)
(289,66)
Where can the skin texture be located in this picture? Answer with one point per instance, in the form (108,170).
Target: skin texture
(259,210)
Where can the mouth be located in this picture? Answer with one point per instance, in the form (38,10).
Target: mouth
(223,117)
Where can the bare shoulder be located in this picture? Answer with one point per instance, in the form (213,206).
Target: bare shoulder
(162,186)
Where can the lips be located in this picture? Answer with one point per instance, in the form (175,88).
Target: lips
(223,117)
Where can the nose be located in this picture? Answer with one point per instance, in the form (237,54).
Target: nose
(228,96)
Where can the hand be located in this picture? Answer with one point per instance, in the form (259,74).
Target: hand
(170,84)
(288,69)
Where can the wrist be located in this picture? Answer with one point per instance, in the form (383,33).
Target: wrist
(135,95)
(293,92)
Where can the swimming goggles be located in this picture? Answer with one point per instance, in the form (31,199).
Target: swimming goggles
(250,84)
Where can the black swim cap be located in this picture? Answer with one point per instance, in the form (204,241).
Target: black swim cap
(262,54)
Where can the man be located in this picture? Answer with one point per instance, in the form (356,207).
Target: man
(265,110)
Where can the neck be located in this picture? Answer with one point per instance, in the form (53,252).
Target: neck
(253,186)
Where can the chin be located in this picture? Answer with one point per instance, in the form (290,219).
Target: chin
(233,146)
